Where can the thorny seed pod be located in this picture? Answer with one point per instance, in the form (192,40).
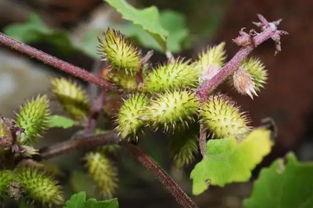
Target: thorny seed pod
(33,118)
(72,97)
(4,129)
(129,118)
(6,177)
(103,173)
(212,56)
(243,83)
(222,118)
(15,190)
(183,149)
(39,187)
(257,71)
(125,81)
(250,77)
(172,108)
(122,55)
(6,139)
(174,75)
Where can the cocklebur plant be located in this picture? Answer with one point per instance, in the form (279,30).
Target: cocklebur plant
(72,97)
(177,74)
(123,56)
(32,118)
(210,61)
(176,97)
(6,178)
(38,187)
(250,78)
(103,173)
(223,118)
(27,183)
(129,118)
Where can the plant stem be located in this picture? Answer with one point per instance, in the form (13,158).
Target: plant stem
(232,65)
(111,138)
(54,62)
(70,145)
(181,197)
(96,112)
(202,139)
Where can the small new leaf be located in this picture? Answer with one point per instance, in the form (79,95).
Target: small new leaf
(33,118)
(285,184)
(103,173)
(122,55)
(72,97)
(222,118)
(57,121)
(229,160)
(174,75)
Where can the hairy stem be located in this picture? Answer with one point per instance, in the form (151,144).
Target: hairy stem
(74,144)
(54,62)
(181,197)
(233,64)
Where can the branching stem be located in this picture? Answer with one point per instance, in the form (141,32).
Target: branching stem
(269,30)
(55,62)
(111,138)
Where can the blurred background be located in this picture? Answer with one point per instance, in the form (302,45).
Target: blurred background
(68,30)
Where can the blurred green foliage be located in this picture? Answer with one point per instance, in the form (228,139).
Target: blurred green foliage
(79,201)
(34,30)
(286,184)
(174,22)
(57,121)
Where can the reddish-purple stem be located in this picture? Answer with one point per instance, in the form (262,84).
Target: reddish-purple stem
(181,197)
(234,63)
(55,62)
(96,111)
(74,144)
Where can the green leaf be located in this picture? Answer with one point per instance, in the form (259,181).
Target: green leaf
(92,203)
(34,30)
(57,121)
(76,201)
(89,42)
(172,21)
(147,18)
(284,184)
(229,160)
(175,24)
(79,201)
